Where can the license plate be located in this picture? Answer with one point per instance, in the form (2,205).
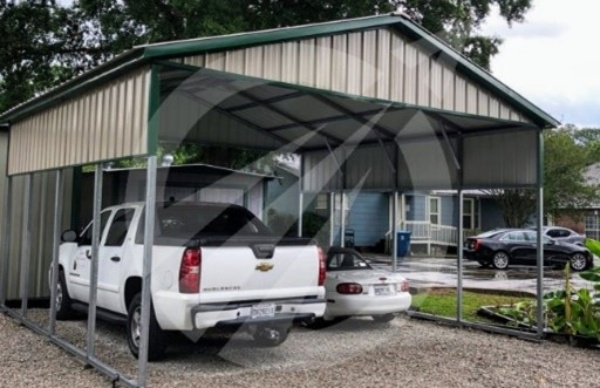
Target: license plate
(262,311)
(382,290)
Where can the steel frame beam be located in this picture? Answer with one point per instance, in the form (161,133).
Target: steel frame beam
(96,231)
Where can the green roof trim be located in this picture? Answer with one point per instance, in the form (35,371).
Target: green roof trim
(141,55)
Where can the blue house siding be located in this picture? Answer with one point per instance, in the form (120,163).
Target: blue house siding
(417,207)
(369,218)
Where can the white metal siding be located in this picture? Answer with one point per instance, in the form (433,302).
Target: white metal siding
(377,63)
(107,122)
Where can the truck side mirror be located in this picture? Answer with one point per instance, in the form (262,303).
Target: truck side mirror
(69,236)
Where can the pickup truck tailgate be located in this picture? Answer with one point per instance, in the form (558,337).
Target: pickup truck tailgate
(258,271)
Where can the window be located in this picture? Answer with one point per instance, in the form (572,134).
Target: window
(514,236)
(86,236)
(558,233)
(119,227)
(470,214)
(346,261)
(322,201)
(434,210)
(592,226)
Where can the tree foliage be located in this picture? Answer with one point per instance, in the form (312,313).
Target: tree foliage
(568,152)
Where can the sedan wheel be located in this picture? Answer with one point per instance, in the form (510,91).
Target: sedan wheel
(578,262)
(500,260)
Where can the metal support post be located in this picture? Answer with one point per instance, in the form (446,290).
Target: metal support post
(96,231)
(540,242)
(459,252)
(26,246)
(301,198)
(6,240)
(343,220)
(55,249)
(150,213)
(331,218)
(395,232)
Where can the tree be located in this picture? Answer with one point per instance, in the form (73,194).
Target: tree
(565,189)
(45,43)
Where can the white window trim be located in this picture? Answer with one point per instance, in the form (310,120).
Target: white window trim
(439,210)
(471,215)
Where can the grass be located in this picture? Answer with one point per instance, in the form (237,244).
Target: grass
(442,302)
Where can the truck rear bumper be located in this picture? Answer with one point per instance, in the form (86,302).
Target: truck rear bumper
(262,312)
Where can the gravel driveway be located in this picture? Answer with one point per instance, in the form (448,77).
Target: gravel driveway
(358,353)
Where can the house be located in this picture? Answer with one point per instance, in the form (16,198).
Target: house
(430,216)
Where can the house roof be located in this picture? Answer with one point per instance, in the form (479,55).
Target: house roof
(142,55)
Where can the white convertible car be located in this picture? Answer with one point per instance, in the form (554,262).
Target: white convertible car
(355,288)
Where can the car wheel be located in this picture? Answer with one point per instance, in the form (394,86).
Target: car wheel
(500,260)
(157,343)
(269,337)
(578,261)
(383,318)
(63,300)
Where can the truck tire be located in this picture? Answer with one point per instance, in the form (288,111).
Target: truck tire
(63,300)
(157,342)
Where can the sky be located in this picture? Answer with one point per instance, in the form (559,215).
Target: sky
(553,58)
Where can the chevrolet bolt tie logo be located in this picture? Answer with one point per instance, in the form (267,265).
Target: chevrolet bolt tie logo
(264,266)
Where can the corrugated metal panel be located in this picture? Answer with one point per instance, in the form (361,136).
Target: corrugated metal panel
(426,165)
(368,168)
(184,119)
(369,64)
(375,63)
(71,127)
(321,172)
(508,155)
(42,213)
(354,63)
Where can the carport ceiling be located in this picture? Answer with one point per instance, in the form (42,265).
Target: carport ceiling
(287,116)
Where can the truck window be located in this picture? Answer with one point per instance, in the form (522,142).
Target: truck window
(192,221)
(86,236)
(119,227)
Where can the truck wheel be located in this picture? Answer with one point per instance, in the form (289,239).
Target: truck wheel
(270,337)
(63,300)
(157,343)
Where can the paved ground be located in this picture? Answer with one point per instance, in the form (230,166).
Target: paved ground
(436,272)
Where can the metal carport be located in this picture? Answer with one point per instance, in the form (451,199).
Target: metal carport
(374,103)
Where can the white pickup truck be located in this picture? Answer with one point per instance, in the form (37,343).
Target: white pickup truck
(214,265)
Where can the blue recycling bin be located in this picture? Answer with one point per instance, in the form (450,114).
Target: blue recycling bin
(403,243)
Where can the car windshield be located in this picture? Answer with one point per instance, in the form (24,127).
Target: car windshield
(342,261)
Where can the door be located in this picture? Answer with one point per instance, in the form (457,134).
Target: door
(112,256)
(517,246)
(79,271)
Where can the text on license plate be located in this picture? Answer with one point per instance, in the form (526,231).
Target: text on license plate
(382,290)
(262,311)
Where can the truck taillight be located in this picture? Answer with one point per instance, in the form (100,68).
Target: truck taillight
(349,288)
(189,273)
(322,266)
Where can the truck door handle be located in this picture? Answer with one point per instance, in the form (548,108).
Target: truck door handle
(88,254)
(116,259)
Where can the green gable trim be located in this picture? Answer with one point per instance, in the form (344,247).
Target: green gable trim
(249,39)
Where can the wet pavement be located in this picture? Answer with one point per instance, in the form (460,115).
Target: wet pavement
(442,272)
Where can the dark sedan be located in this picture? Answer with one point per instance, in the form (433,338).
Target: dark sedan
(501,248)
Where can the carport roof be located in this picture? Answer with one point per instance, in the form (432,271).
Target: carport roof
(141,55)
